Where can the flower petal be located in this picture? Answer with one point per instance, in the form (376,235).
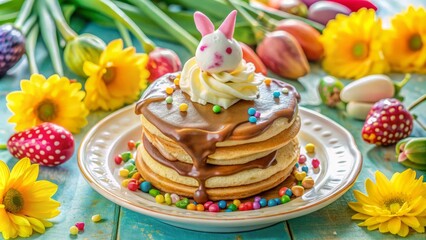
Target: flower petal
(403,231)
(4,176)
(410,221)
(37,225)
(383,228)
(360,216)
(373,227)
(394,225)
(20,168)
(18,220)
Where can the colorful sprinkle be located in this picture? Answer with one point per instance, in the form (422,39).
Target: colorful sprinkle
(132,186)
(124,172)
(176,81)
(214,208)
(277,200)
(299,175)
(80,226)
(315,163)
(251,111)
(257,114)
(191,206)
(308,182)
(263,202)
(297,190)
(145,186)
(182,203)
(285,199)
(131,145)
(257,198)
(288,192)
(249,205)
(296,165)
(276,94)
(96,218)
(271,203)
(305,169)
(159,198)
(233,207)
(73,230)
(169,90)
(222,204)
(169,100)
(200,207)
(256,205)
(125,182)
(237,202)
(216,109)
(175,197)
(282,191)
(207,204)
(267,81)
(183,107)
(242,207)
(168,199)
(310,148)
(284,90)
(136,176)
(252,119)
(302,159)
(154,192)
(118,159)
(126,156)
(138,143)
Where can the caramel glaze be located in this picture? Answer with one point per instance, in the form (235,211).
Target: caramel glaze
(199,129)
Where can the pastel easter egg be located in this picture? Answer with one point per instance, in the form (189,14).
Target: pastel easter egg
(324,11)
(358,110)
(368,89)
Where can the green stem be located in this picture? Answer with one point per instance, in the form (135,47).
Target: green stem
(24,13)
(108,8)
(29,24)
(3,146)
(124,34)
(168,24)
(418,122)
(30,48)
(416,102)
(55,10)
(48,33)
(259,32)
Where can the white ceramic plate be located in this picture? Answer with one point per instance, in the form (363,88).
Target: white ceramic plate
(340,165)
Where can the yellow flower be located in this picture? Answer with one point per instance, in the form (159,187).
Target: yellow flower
(55,100)
(117,79)
(25,203)
(352,45)
(404,44)
(393,205)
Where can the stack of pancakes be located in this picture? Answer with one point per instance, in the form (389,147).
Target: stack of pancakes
(210,156)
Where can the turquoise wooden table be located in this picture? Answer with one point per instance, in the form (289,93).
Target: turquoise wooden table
(79,201)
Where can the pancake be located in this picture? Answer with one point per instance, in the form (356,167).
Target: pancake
(207,156)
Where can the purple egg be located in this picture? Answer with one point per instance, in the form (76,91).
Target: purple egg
(309,2)
(324,11)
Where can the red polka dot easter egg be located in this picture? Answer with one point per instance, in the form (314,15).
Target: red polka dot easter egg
(46,144)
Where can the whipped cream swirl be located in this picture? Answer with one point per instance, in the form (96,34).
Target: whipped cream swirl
(224,88)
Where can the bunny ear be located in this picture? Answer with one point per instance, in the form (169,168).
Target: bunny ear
(203,23)
(228,25)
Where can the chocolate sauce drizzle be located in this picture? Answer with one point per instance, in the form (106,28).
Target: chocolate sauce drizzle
(199,129)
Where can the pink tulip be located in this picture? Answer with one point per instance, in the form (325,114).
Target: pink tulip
(162,61)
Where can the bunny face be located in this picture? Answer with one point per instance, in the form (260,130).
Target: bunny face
(217,51)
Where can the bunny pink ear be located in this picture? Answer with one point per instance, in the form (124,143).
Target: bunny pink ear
(203,23)
(228,25)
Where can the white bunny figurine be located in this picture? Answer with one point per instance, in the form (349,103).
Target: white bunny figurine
(217,51)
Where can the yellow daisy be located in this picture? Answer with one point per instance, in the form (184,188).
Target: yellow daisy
(393,205)
(404,44)
(55,100)
(25,203)
(117,79)
(352,45)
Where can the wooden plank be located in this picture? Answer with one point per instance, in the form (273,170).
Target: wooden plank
(137,226)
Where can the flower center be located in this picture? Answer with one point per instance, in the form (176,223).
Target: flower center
(394,204)
(360,50)
(46,111)
(415,43)
(13,201)
(109,75)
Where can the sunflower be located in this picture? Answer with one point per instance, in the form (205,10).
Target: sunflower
(25,203)
(404,44)
(117,79)
(393,205)
(352,45)
(55,100)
